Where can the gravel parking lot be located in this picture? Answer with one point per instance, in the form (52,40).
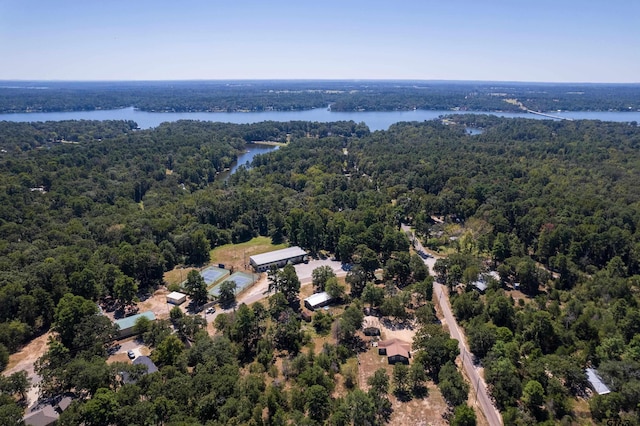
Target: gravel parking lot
(304,270)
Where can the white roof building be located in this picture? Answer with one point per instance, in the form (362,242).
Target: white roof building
(176,298)
(318,300)
(481,285)
(278,258)
(596,382)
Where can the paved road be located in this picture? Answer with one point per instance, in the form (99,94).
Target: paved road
(477,381)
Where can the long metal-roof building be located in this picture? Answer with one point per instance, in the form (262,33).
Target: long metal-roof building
(277,258)
(126,325)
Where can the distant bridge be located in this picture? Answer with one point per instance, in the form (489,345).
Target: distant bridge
(555,117)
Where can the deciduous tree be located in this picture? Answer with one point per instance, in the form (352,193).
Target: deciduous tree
(227,296)
(196,287)
(320,276)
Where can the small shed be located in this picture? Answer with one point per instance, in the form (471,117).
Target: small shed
(318,300)
(176,298)
(396,350)
(126,325)
(596,383)
(64,403)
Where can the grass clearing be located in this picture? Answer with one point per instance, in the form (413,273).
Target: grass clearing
(176,275)
(237,255)
(231,255)
(582,412)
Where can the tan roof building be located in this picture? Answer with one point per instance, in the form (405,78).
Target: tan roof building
(396,350)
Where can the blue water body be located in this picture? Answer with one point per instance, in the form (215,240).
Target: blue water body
(246,158)
(376,120)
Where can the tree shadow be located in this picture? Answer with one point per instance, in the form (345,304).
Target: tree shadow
(295,305)
(228,304)
(194,308)
(420,392)
(397,324)
(146,295)
(402,395)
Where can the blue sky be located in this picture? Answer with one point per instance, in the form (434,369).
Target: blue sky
(542,40)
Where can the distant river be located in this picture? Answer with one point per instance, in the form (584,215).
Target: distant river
(376,120)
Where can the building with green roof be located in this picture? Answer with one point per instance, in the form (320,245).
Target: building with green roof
(126,325)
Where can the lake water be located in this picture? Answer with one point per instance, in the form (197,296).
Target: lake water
(246,158)
(376,120)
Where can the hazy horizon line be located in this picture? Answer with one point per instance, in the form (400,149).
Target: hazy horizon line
(406,80)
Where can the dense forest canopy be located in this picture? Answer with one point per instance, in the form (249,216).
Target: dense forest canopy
(191,96)
(91,209)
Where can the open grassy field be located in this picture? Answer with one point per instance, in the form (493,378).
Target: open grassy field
(231,255)
(237,255)
(176,275)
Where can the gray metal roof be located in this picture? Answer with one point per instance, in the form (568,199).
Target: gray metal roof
(65,403)
(480,285)
(145,360)
(44,417)
(318,298)
(276,256)
(596,382)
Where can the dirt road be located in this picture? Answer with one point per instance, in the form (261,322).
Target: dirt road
(25,359)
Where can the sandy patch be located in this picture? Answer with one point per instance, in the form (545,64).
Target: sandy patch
(25,360)
(157,303)
(426,411)
(388,331)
